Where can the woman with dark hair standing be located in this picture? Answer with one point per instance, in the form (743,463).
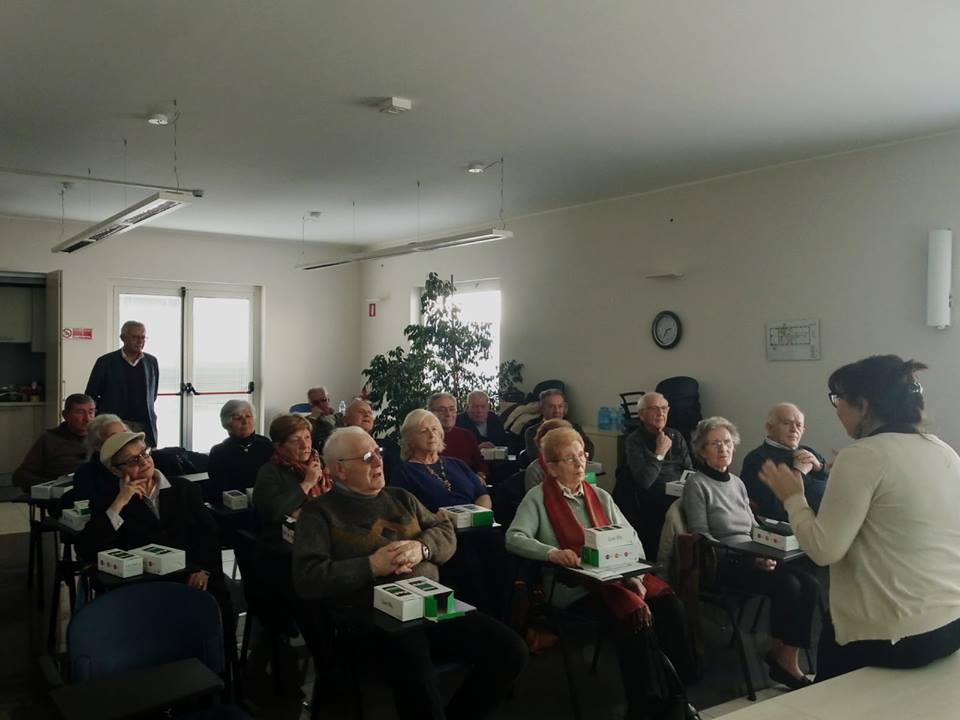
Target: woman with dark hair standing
(888,525)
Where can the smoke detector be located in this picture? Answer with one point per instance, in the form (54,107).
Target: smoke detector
(395,105)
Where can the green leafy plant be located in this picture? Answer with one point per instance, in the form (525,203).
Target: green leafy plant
(443,352)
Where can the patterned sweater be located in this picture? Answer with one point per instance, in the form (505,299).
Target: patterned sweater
(337,533)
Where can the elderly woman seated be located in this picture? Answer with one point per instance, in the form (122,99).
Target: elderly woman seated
(716,506)
(235,462)
(293,474)
(363,534)
(149,508)
(549,527)
(92,480)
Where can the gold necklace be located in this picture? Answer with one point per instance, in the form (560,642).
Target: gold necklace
(442,476)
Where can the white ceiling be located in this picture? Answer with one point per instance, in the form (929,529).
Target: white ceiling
(585,100)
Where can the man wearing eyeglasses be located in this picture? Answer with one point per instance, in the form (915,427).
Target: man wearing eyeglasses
(149,508)
(125,382)
(655,455)
(362,534)
(785,428)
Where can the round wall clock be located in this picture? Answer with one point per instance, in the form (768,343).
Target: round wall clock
(666,329)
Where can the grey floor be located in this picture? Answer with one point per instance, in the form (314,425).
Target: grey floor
(541,692)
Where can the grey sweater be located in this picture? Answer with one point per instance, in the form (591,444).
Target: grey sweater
(718,509)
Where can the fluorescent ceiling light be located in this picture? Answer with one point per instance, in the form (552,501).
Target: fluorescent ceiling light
(158,204)
(452,241)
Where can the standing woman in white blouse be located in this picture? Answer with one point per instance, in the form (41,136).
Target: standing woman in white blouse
(888,526)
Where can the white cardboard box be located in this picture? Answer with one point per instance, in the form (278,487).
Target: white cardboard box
(674,488)
(398,601)
(437,599)
(469,515)
(612,556)
(235,500)
(776,540)
(289,529)
(495,453)
(78,516)
(120,563)
(600,538)
(51,489)
(160,559)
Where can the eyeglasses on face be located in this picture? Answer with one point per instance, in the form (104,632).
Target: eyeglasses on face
(578,459)
(658,408)
(834,398)
(135,460)
(720,444)
(367,457)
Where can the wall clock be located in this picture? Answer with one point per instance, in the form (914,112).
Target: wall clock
(666,329)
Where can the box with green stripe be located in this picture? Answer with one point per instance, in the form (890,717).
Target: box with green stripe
(438,600)
(469,515)
(611,556)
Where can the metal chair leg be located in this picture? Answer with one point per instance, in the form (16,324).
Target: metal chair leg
(744,665)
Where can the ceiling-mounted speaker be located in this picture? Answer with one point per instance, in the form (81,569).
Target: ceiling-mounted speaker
(939,272)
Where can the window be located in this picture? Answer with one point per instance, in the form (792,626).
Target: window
(479,302)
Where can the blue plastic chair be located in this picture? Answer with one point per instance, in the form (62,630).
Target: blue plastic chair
(142,625)
(300,408)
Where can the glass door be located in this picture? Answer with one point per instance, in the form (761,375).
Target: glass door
(206,344)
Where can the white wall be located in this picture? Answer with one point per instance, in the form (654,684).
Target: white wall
(310,336)
(842,239)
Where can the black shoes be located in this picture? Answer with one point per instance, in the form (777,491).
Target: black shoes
(778,674)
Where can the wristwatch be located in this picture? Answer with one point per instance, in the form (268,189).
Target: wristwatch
(426,551)
(660,458)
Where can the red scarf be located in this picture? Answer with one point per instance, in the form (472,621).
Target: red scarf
(621,601)
(300,468)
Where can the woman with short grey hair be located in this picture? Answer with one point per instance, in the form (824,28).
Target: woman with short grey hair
(234,462)
(716,505)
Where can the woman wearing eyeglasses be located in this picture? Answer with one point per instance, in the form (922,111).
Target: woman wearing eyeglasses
(150,508)
(549,527)
(716,505)
(888,525)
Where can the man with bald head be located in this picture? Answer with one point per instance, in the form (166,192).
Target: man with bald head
(785,428)
(485,425)
(655,455)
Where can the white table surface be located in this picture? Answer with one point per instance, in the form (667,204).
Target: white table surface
(871,693)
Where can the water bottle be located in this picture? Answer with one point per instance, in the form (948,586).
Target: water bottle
(604,418)
(342,408)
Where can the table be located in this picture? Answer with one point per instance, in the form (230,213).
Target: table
(137,692)
(869,694)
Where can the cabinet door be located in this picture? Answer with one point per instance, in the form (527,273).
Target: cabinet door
(18,431)
(37,320)
(16,318)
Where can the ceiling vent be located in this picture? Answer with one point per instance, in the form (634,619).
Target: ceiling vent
(451,241)
(157,205)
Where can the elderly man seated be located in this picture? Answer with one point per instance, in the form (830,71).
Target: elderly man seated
(361,534)
(785,429)
(322,417)
(655,455)
(458,443)
(486,426)
(359,413)
(60,450)
(553,406)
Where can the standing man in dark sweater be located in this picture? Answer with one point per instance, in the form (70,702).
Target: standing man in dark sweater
(362,534)
(60,450)
(125,382)
(655,455)
(785,427)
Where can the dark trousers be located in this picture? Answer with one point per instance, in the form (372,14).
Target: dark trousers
(910,652)
(649,688)
(495,655)
(793,594)
(482,571)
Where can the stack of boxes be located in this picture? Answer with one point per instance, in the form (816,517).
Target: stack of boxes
(52,489)
(77,517)
(776,534)
(609,546)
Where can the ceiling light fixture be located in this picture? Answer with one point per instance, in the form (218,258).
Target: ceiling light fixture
(159,119)
(452,241)
(395,105)
(478,168)
(147,210)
